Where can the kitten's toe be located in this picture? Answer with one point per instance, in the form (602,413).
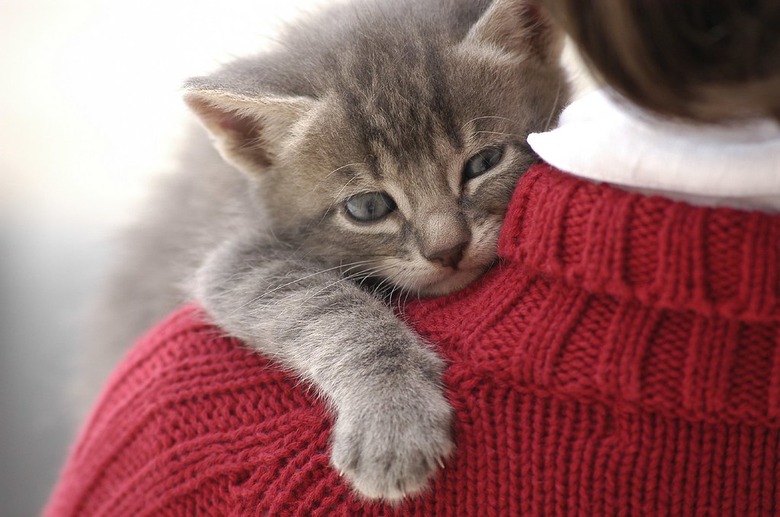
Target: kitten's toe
(393,455)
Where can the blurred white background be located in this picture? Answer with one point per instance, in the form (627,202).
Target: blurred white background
(89,111)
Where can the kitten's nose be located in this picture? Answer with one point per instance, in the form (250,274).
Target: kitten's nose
(443,236)
(449,257)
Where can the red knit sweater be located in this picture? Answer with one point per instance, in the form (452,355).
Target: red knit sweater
(624,358)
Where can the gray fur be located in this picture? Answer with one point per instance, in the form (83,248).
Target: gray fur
(389,96)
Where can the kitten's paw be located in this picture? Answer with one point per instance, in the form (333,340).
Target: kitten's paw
(390,449)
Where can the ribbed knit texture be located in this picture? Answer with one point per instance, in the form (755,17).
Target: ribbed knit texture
(623,359)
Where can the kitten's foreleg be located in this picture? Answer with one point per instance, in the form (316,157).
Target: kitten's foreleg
(393,424)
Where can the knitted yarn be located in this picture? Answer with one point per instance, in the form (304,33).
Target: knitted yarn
(623,358)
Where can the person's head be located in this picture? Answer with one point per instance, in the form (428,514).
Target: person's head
(705,60)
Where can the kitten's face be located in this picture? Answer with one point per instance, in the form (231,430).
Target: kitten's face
(404,173)
(395,157)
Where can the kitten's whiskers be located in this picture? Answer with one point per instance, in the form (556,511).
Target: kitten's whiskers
(338,196)
(331,173)
(364,274)
(297,280)
(554,108)
(488,117)
(502,133)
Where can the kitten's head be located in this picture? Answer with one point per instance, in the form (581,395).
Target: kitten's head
(392,154)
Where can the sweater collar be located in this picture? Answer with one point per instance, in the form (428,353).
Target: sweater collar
(664,253)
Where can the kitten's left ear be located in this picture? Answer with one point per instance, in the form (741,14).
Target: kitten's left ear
(518,27)
(248,130)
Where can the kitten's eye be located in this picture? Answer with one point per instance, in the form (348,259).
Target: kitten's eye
(370,207)
(482,162)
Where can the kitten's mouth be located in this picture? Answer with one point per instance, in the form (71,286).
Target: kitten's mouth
(455,281)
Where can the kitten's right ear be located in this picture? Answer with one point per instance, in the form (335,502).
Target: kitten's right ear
(520,27)
(248,131)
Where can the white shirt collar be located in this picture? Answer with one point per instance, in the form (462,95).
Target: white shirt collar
(602,140)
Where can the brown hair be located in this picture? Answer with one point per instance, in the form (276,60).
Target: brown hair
(706,60)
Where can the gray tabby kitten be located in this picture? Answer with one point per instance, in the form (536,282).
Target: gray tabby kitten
(378,148)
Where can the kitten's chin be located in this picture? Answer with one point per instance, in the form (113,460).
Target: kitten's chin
(458,280)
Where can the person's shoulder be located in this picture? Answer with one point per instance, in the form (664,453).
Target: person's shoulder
(187,413)
(187,353)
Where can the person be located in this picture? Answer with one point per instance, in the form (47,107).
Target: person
(622,358)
